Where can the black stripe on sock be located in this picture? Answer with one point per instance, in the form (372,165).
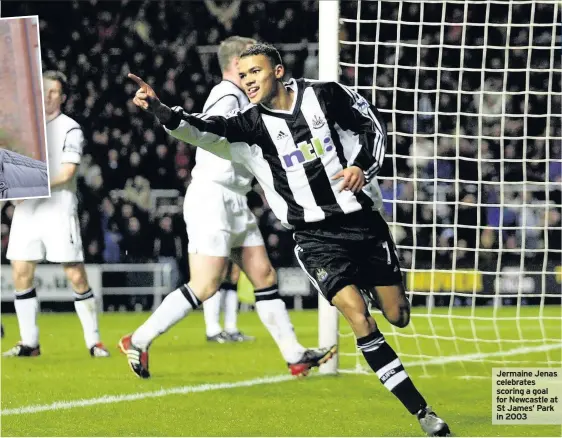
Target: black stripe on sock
(267,293)
(190,296)
(269,297)
(31,294)
(226,285)
(84,296)
(267,289)
(370,337)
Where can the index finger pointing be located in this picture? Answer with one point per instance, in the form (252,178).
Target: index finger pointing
(138,80)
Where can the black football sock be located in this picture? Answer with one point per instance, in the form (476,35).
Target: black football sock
(385,363)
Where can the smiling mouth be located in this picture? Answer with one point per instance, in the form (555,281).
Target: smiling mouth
(252,91)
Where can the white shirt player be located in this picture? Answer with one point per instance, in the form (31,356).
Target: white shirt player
(48,228)
(65,142)
(224,98)
(216,212)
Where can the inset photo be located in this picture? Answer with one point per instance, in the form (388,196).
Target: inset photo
(23,146)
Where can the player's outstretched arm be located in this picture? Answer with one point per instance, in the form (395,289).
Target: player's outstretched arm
(211,133)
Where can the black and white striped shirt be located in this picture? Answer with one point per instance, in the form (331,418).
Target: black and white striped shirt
(294,154)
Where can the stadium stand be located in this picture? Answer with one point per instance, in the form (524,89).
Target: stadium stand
(128,172)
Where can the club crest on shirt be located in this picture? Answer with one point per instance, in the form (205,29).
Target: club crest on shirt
(321,274)
(318,122)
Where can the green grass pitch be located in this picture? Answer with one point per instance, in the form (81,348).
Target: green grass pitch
(343,405)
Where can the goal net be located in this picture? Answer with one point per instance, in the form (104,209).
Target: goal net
(471,184)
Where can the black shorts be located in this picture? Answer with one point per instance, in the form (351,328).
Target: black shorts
(358,250)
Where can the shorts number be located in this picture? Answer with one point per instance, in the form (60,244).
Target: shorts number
(388,259)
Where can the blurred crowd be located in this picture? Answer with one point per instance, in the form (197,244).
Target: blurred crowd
(475,127)
(467,138)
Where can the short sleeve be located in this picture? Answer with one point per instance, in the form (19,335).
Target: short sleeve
(73,146)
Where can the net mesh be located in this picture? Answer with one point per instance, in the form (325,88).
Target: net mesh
(471,183)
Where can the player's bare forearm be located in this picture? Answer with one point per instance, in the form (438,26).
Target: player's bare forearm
(65,175)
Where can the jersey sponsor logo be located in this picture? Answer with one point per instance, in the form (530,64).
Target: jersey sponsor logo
(308,151)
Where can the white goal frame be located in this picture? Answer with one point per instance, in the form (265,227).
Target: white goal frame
(329,70)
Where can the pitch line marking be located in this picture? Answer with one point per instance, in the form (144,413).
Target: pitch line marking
(109,399)
(479,356)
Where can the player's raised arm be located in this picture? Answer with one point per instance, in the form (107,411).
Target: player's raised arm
(353,112)
(212,133)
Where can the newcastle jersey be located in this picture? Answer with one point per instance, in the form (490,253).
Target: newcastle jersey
(294,154)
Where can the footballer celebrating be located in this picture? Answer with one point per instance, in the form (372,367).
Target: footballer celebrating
(312,147)
(221,225)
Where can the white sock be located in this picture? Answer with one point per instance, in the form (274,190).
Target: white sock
(27,308)
(173,309)
(85,306)
(230,311)
(273,314)
(212,311)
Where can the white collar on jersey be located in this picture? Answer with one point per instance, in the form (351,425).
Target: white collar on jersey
(292,84)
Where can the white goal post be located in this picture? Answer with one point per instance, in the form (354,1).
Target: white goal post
(472,96)
(328,70)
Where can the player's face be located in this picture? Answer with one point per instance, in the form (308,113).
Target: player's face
(259,78)
(53,96)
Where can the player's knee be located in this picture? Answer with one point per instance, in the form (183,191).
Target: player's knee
(360,323)
(79,283)
(76,275)
(204,290)
(265,276)
(399,316)
(270,276)
(205,286)
(22,276)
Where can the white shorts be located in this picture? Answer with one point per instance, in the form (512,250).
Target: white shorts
(46,229)
(218,220)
